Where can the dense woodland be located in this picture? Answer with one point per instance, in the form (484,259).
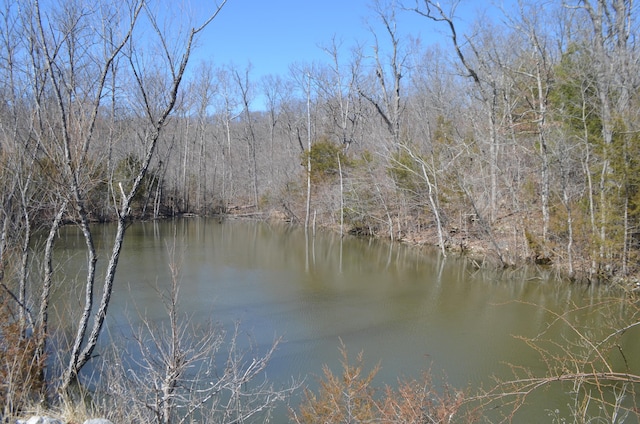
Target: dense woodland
(516,136)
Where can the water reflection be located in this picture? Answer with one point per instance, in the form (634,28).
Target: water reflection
(409,308)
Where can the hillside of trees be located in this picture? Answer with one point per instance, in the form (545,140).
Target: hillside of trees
(517,137)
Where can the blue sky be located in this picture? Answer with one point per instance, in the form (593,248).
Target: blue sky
(273,34)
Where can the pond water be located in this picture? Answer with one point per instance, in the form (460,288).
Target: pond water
(407,308)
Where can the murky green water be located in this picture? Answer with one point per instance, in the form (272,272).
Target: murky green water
(409,309)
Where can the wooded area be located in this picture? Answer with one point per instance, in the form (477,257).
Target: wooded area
(517,138)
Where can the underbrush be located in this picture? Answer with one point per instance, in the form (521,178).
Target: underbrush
(22,381)
(351,397)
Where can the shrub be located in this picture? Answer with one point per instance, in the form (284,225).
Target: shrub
(352,398)
(324,160)
(21,370)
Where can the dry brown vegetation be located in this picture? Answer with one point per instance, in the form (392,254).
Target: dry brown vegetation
(352,397)
(22,382)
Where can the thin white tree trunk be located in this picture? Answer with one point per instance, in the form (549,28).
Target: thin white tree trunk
(341,197)
(306,219)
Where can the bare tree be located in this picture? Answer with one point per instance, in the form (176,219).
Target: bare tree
(538,98)
(337,88)
(246,97)
(71,69)
(179,371)
(273,92)
(227,107)
(614,61)
(177,65)
(68,146)
(484,78)
(389,104)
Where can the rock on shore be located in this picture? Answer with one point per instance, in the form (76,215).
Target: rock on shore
(49,420)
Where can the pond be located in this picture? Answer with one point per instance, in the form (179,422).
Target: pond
(407,308)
